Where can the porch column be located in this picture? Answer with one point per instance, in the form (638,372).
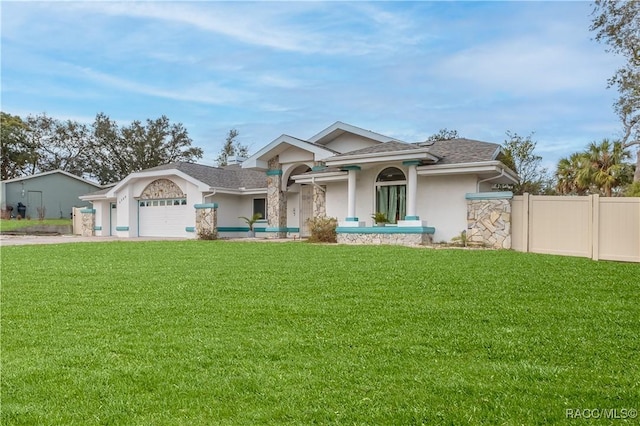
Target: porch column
(412,189)
(351,191)
(276,201)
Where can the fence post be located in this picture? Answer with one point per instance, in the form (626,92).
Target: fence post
(526,227)
(595,226)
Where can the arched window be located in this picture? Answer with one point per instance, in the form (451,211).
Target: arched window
(391,194)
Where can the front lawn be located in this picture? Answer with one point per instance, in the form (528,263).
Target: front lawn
(15,224)
(214,332)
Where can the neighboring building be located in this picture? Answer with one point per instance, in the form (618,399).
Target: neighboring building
(55,193)
(343,172)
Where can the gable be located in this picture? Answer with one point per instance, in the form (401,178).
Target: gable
(347,142)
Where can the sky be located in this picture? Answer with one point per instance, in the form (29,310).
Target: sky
(402,69)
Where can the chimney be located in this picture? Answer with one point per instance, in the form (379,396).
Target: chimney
(235,159)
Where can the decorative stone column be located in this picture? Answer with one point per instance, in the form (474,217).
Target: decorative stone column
(88,222)
(276,201)
(319,200)
(206,221)
(489,219)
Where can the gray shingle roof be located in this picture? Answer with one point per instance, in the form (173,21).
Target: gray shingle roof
(392,146)
(232,177)
(462,150)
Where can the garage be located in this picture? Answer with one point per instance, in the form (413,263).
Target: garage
(162,218)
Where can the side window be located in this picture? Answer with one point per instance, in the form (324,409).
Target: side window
(260,206)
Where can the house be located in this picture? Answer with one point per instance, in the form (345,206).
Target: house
(344,172)
(51,194)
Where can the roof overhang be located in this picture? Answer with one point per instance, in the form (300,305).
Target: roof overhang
(501,173)
(149,174)
(311,178)
(338,128)
(259,159)
(239,191)
(382,157)
(37,175)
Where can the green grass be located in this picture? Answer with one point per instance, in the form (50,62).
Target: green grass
(200,333)
(14,224)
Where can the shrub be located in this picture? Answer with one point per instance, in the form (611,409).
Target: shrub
(632,190)
(323,229)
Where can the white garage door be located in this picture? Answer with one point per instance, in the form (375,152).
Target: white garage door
(162,218)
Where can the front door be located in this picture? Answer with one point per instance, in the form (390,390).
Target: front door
(306,209)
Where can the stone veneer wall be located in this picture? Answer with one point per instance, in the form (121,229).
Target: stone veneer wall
(319,201)
(412,239)
(489,222)
(88,222)
(207,221)
(276,200)
(161,188)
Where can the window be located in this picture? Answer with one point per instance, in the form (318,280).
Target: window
(260,206)
(391,194)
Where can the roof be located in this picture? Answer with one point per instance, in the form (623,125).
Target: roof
(38,175)
(393,146)
(232,177)
(461,150)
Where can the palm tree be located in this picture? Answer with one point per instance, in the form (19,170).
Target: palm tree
(606,167)
(571,176)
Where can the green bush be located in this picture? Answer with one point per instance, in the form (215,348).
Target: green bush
(632,190)
(323,229)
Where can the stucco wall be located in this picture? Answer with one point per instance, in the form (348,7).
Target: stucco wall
(337,200)
(441,202)
(350,142)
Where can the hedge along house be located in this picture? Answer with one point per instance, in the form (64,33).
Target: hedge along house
(52,195)
(344,172)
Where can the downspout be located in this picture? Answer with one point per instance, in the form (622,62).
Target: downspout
(488,179)
(210,195)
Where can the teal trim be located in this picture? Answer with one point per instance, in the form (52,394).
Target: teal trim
(293,229)
(276,229)
(206,206)
(92,211)
(350,168)
(190,229)
(503,195)
(412,218)
(318,168)
(387,230)
(411,163)
(97,228)
(122,228)
(234,229)
(352,219)
(274,172)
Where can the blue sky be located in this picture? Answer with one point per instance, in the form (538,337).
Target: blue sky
(403,69)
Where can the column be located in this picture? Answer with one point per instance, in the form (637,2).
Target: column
(412,189)
(351,193)
(276,201)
